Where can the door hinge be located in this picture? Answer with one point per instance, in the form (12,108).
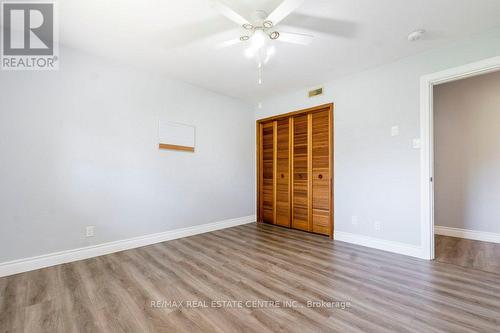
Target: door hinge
(431,179)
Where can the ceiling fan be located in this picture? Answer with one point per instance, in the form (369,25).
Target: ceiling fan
(261,29)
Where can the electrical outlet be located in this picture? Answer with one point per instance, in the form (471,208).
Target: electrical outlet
(89,231)
(354,220)
(394,130)
(377,225)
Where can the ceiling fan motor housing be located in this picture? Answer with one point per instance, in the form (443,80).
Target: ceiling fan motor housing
(258,17)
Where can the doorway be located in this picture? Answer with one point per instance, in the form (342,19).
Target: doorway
(428,83)
(466,121)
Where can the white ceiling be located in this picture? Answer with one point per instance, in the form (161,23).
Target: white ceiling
(178,37)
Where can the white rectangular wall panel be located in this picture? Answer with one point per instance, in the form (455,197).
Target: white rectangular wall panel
(175,134)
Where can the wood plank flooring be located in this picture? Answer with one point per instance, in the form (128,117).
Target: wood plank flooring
(385,292)
(468,253)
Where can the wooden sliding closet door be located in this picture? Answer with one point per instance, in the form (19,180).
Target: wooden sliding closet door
(300,162)
(283,172)
(321,172)
(267,172)
(295,170)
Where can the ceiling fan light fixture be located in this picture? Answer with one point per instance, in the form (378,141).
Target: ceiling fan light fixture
(267,24)
(274,35)
(259,33)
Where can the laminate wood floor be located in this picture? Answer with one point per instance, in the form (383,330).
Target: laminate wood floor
(468,253)
(383,292)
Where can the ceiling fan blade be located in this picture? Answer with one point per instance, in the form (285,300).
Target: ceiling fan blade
(229,12)
(295,38)
(322,25)
(227,43)
(283,10)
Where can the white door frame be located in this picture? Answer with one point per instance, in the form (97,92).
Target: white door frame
(427,84)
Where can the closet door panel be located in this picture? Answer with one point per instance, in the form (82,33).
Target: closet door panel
(300,211)
(267,173)
(296,170)
(321,180)
(283,173)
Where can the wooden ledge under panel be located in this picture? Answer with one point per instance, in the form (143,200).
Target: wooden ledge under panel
(176,147)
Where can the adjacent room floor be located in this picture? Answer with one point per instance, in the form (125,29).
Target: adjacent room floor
(353,289)
(468,253)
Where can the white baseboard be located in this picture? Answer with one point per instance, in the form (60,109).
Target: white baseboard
(380,244)
(57,258)
(467,234)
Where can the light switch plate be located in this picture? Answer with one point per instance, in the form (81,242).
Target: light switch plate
(394,130)
(89,231)
(416,144)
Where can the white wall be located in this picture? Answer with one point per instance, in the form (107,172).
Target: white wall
(377,176)
(467,153)
(79,147)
